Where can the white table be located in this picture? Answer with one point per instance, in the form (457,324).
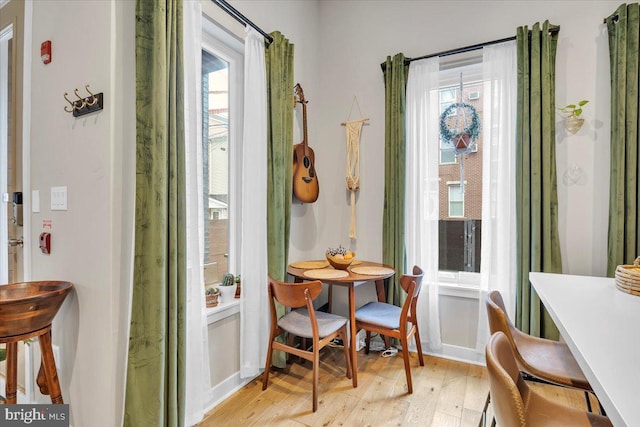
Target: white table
(601,325)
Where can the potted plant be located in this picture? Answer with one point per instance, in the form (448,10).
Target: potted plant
(227,288)
(212,294)
(572,120)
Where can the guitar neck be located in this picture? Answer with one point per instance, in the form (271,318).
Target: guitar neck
(304,126)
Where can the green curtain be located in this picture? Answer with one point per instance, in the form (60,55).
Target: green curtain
(393,250)
(279,63)
(155,389)
(624,35)
(536,182)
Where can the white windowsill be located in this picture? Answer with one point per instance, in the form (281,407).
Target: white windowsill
(222,311)
(459,290)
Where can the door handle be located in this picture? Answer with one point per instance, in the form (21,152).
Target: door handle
(16,242)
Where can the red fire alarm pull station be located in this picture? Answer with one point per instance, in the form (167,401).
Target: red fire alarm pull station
(45,51)
(45,242)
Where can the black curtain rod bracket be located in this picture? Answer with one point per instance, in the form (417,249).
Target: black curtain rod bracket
(235,14)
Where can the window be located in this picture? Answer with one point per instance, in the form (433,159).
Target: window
(460,220)
(447,155)
(456,201)
(221,127)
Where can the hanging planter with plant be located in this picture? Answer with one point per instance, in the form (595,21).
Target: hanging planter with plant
(572,120)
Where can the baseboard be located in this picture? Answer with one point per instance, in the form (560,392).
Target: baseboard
(226,388)
(454,352)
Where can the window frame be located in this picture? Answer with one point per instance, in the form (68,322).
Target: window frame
(216,41)
(459,283)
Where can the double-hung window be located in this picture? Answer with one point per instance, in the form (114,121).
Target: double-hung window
(222,73)
(460,219)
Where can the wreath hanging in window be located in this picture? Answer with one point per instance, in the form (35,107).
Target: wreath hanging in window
(465,130)
(460,139)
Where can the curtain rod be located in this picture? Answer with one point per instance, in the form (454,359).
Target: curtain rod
(235,14)
(471,48)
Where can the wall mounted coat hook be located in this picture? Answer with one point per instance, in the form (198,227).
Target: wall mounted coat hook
(86,105)
(70,103)
(80,103)
(94,99)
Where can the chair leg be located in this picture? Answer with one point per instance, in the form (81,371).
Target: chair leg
(407,365)
(387,341)
(586,397)
(419,346)
(483,418)
(267,365)
(367,341)
(316,362)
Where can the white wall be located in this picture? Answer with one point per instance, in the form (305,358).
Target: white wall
(342,60)
(354,37)
(362,34)
(92,43)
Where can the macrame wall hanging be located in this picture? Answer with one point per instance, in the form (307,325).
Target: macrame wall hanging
(354,130)
(465,130)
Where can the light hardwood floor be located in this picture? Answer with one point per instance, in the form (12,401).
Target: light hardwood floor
(446,393)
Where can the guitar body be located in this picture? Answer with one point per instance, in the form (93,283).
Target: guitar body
(305,179)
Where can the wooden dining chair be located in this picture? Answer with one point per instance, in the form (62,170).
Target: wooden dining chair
(305,322)
(392,321)
(516,405)
(540,359)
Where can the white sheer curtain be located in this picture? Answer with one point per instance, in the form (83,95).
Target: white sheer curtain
(198,384)
(498,264)
(254,315)
(421,205)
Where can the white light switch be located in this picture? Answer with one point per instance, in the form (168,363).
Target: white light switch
(35,201)
(59,198)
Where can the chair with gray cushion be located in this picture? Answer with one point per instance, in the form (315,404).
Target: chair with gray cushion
(303,321)
(393,322)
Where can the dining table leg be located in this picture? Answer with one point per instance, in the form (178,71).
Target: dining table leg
(382,295)
(352,337)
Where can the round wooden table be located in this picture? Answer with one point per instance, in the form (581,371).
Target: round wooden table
(350,281)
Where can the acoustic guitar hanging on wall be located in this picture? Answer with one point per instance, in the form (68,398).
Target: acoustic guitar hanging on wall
(305,179)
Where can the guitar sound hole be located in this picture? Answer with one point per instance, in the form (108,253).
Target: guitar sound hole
(306,162)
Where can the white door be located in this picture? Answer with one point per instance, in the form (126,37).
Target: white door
(11,218)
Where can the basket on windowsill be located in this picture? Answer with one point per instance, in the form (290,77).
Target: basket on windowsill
(627,278)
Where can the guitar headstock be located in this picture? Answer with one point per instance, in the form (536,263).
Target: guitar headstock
(300,94)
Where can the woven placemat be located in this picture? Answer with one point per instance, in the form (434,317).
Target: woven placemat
(321,263)
(325,273)
(370,270)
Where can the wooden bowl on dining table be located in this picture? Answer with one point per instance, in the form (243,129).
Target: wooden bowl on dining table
(339,261)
